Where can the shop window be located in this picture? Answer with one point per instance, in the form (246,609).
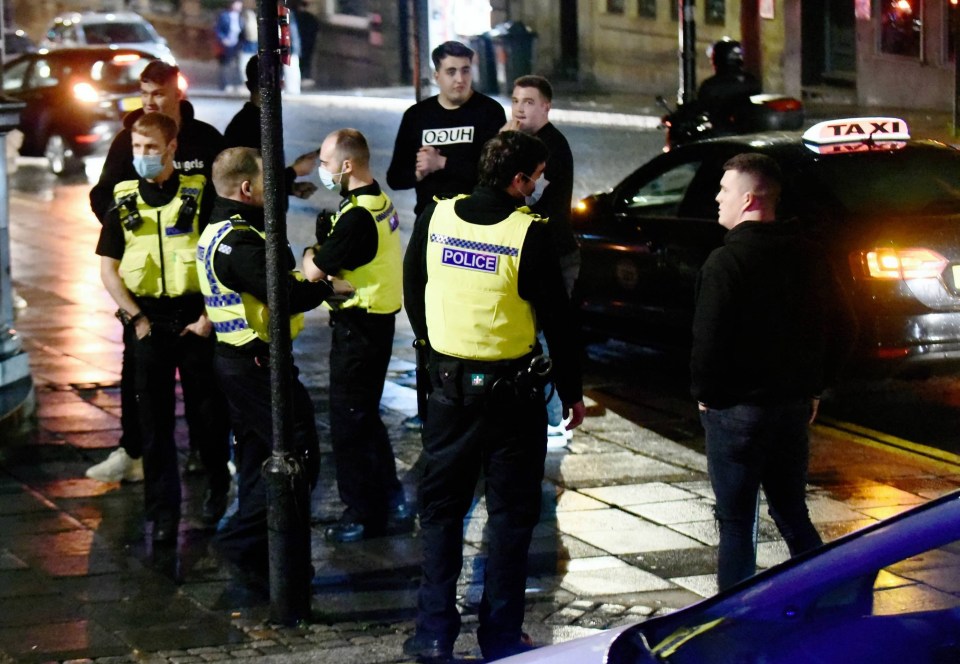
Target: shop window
(900,26)
(615,6)
(352,13)
(647,9)
(715,12)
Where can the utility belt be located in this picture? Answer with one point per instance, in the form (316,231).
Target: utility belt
(503,382)
(171,314)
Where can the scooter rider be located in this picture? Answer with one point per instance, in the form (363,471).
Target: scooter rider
(731,86)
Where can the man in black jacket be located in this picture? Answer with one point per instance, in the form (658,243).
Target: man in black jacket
(770,330)
(198,143)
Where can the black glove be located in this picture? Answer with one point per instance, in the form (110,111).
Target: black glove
(324,225)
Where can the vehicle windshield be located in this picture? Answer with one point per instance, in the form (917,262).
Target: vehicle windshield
(116,33)
(908,182)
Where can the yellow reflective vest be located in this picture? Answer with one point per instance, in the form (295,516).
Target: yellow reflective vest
(238,318)
(379,283)
(473,308)
(159,259)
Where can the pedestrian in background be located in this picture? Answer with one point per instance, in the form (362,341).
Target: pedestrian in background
(291,68)
(771,328)
(250,39)
(232,253)
(229,34)
(147,247)
(363,247)
(530,112)
(244,131)
(196,146)
(308,26)
(469,257)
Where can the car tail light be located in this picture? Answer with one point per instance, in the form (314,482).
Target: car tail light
(125,58)
(891,263)
(784,104)
(85,92)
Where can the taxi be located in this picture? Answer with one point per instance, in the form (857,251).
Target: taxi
(885,206)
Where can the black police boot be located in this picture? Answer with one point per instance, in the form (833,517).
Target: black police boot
(214,507)
(344,531)
(427,649)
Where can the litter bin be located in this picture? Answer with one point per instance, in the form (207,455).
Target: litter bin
(513,44)
(486,78)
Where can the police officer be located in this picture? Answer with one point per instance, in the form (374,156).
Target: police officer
(364,248)
(197,145)
(147,248)
(232,254)
(479,276)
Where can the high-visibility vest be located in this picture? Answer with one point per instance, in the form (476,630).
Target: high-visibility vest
(238,318)
(159,259)
(378,284)
(473,307)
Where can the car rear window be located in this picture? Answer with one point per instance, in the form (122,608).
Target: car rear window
(116,33)
(911,181)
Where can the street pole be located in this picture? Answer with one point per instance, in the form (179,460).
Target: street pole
(421,49)
(688,52)
(952,12)
(288,513)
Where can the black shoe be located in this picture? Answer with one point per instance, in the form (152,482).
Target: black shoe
(399,520)
(500,651)
(165,530)
(194,465)
(426,649)
(214,506)
(344,531)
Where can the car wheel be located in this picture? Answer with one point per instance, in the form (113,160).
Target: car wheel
(61,157)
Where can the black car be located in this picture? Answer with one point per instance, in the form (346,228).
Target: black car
(886,208)
(75,99)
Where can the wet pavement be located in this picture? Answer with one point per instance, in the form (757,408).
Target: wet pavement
(626,531)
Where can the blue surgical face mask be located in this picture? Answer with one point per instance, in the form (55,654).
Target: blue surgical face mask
(537,192)
(148,166)
(326,178)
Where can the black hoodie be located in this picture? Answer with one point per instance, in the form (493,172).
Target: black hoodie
(198,144)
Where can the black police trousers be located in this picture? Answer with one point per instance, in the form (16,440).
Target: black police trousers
(366,469)
(246,384)
(159,357)
(507,442)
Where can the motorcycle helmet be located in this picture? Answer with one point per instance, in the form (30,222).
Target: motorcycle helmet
(726,54)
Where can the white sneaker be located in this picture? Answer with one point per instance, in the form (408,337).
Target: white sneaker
(118,467)
(558,436)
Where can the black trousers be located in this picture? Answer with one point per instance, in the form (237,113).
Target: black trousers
(159,357)
(366,470)
(507,442)
(130,437)
(246,383)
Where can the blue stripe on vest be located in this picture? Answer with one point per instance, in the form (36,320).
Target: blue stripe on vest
(207,258)
(234,325)
(476,246)
(223,300)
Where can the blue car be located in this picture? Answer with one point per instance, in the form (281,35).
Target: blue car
(889,593)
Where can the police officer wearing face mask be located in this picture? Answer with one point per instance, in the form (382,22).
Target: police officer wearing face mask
(363,248)
(148,265)
(479,276)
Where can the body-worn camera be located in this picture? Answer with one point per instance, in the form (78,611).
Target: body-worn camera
(324,225)
(188,210)
(126,209)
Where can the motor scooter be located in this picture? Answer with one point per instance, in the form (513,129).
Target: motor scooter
(763,112)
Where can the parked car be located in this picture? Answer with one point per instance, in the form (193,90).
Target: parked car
(886,594)
(75,99)
(117,29)
(15,42)
(885,207)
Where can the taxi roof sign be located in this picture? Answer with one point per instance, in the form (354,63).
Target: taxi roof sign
(857,130)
